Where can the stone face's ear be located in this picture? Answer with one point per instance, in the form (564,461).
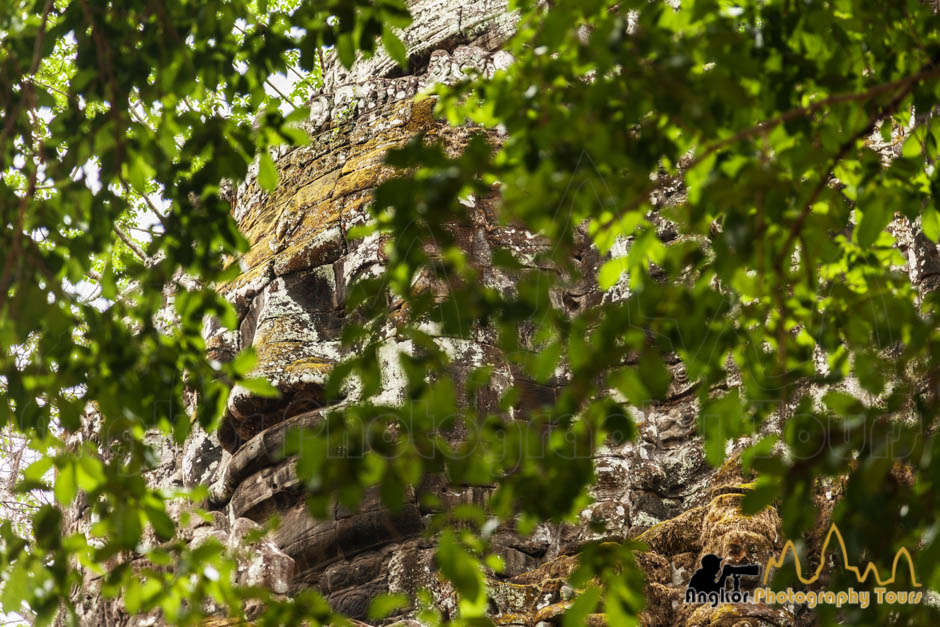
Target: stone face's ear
(222,344)
(320,109)
(202,458)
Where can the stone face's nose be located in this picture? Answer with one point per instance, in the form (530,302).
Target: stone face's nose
(293,324)
(292,292)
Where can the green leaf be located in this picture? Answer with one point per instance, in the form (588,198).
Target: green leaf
(759,497)
(346,49)
(628,382)
(611,272)
(585,604)
(244,362)
(618,426)
(868,369)
(90,473)
(267,172)
(912,146)
(395,48)
(125,525)
(47,527)
(654,374)
(66,487)
(36,471)
(875,218)
(720,420)
(133,597)
(260,387)
(464,572)
(385,605)
(546,361)
(162,523)
(139,173)
(930,223)
(16,588)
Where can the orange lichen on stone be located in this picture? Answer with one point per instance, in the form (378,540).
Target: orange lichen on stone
(246,277)
(374,156)
(363,178)
(312,193)
(422,116)
(313,248)
(676,535)
(558,568)
(309,364)
(726,531)
(551,611)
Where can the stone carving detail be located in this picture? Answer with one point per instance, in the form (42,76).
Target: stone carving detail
(437,25)
(350,100)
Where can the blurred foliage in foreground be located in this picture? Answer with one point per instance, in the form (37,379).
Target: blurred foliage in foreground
(780,275)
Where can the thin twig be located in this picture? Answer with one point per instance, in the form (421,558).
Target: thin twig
(268,82)
(289,67)
(797,227)
(37,52)
(37,47)
(14,251)
(127,239)
(45,86)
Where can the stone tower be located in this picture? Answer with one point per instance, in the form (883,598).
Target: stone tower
(290,300)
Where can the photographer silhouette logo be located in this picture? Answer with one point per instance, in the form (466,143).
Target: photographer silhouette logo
(709,584)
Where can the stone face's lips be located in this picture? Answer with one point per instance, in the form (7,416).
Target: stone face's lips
(259,482)
(263,450)
(315,544)
(249,415)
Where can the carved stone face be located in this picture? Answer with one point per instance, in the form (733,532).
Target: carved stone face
(291,301)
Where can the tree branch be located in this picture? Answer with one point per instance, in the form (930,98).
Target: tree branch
(14,251)
(127,239)
(907,82)
(882,112)
(37,57)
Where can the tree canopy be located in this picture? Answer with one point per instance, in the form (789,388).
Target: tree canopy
(772,118)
